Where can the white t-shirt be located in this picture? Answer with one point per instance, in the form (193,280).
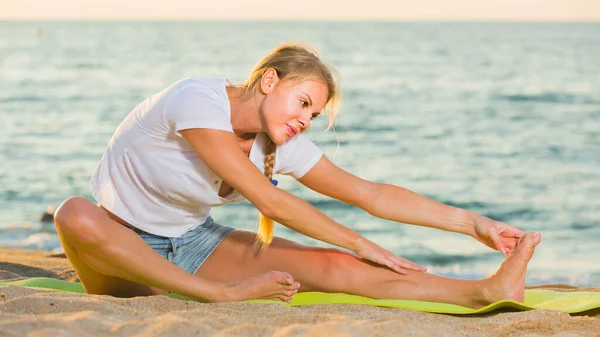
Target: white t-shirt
(152,178)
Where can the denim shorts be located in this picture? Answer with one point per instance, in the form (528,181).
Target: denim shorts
(190,250)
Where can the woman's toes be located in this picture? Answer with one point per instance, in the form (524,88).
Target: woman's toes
(537,237)
(293,286)
(281,277)
(531,240)
(526,245)
(290,292)
(283,298)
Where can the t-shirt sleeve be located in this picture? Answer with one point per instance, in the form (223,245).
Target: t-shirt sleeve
(298,156)
(197,107)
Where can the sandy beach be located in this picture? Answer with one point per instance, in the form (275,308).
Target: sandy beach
(28,312)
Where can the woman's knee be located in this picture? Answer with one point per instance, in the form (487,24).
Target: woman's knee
(339,270)
(78,218)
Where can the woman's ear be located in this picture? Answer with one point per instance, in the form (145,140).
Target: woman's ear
(269,80)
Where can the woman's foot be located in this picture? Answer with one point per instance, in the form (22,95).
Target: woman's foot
(274,285)
(508,282)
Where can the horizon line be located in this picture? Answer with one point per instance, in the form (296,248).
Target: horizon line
(383,20)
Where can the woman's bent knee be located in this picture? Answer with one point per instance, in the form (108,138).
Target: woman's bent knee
(78,218)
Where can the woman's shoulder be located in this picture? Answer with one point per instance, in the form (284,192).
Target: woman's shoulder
(197,89)
(210,84)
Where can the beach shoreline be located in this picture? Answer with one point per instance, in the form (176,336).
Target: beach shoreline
(25,311)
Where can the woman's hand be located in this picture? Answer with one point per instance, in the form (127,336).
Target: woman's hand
(375,253)
(495,234)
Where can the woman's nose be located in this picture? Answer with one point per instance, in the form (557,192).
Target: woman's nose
(305,122)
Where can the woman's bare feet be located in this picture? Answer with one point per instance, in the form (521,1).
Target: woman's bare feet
(508,282)
(274,285)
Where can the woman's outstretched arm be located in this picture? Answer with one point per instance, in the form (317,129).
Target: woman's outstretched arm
(402,205)
(222,154)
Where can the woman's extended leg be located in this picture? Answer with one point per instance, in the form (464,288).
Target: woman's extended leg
(111,259)
(332,270)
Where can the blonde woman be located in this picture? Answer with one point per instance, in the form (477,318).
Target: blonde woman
(202,143)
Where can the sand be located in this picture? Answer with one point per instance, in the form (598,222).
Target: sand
(28,312)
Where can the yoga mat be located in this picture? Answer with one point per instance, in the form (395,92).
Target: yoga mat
(569,302)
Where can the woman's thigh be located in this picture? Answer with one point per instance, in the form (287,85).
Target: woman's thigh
(75,241)
(316,268)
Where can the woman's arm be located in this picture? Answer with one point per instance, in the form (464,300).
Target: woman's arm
(399,204)
(385,201)
(402,205)
(222,154)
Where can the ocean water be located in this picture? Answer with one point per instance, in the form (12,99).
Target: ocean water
(499,118)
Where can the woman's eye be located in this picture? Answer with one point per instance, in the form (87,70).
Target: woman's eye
(303,103)
(315,115)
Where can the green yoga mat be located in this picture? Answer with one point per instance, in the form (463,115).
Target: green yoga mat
(570,302)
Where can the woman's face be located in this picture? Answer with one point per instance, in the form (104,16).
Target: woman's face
(288,108)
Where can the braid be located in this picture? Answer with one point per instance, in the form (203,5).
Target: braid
(265,225)
(270,149)
(298,63)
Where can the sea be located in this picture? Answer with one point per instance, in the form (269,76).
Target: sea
(500,118)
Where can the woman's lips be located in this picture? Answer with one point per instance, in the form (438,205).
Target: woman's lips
(291,131)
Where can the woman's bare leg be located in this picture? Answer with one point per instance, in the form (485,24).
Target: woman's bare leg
(111,259)
(332,270)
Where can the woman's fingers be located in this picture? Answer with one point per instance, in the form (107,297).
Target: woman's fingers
(510,231)
(509,239)
(406,264)
(411,266)
(395,267)
(497,241)
(517,233)
(374,253)
(510,245)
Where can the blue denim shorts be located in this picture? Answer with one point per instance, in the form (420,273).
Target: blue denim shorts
(190,250)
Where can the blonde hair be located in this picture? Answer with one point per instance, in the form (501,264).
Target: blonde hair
(300,63)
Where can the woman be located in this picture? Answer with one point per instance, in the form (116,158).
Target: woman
(201,143)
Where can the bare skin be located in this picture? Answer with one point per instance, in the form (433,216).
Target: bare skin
(111,259)
(94,244)
(332,270)
(512,271)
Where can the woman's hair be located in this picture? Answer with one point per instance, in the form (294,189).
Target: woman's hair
(298,63)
